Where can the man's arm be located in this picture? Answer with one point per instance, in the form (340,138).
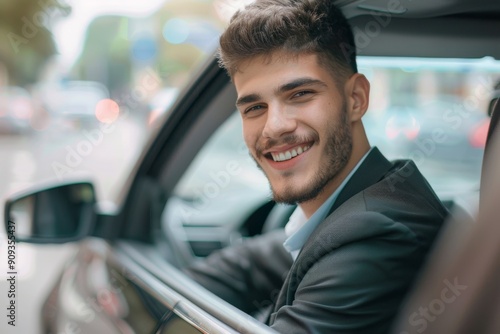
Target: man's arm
(249,275)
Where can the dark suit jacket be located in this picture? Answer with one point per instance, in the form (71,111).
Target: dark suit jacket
(354,270)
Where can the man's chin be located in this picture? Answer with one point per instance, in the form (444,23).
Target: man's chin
(284,197)
(295,197)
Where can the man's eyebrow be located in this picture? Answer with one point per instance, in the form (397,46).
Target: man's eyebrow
(298,83)
(281,89)
(247,99)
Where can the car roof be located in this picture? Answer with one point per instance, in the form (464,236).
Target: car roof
(452,28)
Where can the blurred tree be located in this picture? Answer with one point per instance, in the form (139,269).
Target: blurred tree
(26,40)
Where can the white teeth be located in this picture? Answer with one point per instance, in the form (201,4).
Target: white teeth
(283,156)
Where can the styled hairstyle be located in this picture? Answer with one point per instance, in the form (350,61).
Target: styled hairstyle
(292,27)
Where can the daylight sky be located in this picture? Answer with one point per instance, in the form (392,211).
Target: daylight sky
(69,33)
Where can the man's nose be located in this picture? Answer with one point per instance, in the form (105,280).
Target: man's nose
(279,121)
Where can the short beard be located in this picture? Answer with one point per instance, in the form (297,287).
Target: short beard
(338,149)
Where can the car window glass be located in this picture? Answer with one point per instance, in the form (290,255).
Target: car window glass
(218,193)
(222,166)
(433,111)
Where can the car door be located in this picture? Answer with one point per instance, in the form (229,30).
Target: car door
(109,289)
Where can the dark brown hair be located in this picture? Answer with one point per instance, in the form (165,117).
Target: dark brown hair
(293,27)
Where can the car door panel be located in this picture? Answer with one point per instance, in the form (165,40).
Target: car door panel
(104,290)
(97,294)
(194,302)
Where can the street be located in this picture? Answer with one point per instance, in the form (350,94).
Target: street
(106,153)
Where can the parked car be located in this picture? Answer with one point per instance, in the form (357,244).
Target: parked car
(195,190)
(72,103)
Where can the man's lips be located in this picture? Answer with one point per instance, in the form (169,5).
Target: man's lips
(287,152)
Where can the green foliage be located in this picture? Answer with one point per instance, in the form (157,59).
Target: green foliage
(27,42)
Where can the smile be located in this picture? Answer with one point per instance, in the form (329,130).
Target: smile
(287,155)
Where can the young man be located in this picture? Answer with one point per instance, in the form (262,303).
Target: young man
(363,225)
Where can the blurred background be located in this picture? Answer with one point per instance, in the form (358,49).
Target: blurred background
(83,84)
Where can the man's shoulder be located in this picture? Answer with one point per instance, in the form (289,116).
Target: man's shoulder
(404,195)
(404,210)
(345,226)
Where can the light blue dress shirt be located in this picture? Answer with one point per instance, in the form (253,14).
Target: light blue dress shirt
(298,228)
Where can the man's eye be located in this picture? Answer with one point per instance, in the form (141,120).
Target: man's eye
(254,108)
(302,93)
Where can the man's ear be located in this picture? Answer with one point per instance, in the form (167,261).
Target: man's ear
(358,96)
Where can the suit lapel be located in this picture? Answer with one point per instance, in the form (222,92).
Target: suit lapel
(370,172)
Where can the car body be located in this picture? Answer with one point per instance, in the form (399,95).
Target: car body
(127,277)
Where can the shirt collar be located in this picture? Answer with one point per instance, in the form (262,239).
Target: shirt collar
(299,228)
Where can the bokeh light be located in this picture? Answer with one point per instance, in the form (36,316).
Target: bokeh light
(402,126)
(176,31)
(21,108)
(107,111)
(480,134)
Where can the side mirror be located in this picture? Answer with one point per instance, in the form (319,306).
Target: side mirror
(56,214)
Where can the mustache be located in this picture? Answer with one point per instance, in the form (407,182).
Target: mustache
(290,139)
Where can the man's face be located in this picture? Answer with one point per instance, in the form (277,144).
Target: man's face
(295,124)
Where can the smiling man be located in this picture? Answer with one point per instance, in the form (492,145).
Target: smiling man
(363,225)
(299,126)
